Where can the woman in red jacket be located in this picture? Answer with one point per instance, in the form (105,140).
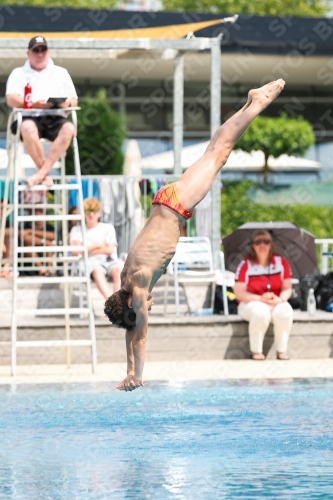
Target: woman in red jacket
(263,287)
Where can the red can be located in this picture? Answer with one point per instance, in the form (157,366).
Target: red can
(27,96)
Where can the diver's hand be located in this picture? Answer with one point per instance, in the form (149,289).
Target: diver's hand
(129,384)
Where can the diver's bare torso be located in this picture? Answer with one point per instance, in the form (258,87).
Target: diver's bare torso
(152,250)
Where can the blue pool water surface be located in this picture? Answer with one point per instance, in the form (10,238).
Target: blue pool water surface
(216,440)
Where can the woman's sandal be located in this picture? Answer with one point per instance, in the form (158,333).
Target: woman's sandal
(258,356)
(282,356)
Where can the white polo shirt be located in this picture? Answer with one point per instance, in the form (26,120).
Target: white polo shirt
(53,81)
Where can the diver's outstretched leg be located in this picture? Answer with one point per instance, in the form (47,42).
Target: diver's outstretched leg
(195,183)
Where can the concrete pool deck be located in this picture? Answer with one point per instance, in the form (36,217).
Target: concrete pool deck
(170,339)
(172,372)
(184,348)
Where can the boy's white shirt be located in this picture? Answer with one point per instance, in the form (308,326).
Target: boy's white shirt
(102,233)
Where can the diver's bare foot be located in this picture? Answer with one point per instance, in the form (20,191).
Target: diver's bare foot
(266,94)
(35,179)
(48,181)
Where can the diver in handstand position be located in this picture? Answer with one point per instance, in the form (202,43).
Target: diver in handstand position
(155,246)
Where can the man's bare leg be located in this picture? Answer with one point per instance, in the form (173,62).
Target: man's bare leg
(57,149)
(115,276)
(32,142)
(100,280)
(195,183)
(5,273)
(51,271)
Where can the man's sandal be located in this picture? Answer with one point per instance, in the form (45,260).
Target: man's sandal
(282,356)
(258,356)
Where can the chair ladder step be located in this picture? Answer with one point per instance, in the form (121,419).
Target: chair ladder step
(57,279)
(55,187)
(54,343)
(72,258)
(40,205)
(32,218)
(53,312)
(55,248)
(62,188)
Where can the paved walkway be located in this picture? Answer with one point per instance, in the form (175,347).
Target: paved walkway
(173,371)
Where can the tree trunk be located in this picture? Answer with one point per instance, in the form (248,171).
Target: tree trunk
(266,168)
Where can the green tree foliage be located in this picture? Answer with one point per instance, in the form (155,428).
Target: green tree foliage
(237,208)
(77,4)
(101,133)
(277,136)
(261,7)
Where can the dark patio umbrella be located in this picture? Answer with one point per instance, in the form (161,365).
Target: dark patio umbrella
(292,242)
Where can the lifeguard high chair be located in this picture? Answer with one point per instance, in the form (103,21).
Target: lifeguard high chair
(20,203)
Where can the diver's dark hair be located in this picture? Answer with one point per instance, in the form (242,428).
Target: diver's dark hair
(117,310)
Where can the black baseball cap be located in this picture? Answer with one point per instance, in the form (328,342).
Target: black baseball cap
(37,41)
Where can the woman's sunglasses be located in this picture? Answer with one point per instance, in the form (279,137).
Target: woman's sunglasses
(87,212)
(263,241)
(38,50)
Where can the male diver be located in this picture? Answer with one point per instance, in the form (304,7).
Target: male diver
(155,246)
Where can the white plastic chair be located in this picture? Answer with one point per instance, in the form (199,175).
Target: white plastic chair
(193,263)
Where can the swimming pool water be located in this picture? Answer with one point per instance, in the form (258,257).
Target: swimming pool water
(216,440)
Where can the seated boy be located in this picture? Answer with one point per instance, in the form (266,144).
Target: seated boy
(101,244)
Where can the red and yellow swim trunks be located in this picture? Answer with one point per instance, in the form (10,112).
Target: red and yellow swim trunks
(168,197)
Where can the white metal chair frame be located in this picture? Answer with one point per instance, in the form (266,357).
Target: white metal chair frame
(325,249)
(13,144)
(195,252)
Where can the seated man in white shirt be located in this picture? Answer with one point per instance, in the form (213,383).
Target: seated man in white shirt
(46,80)
(101,245)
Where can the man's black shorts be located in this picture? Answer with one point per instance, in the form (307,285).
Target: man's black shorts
(48,126)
